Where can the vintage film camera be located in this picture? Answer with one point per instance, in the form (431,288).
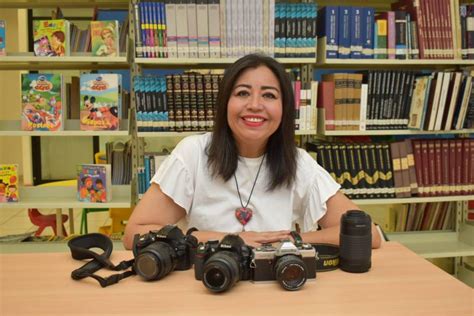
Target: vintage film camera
(222,264)
(159,252)
(291,264)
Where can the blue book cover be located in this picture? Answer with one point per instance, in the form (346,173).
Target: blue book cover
(344,32)
(356,32)
(367,33)
(328,30)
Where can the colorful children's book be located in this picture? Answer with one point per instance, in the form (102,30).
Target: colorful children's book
(9,183)
(42,98)
(3,40)
(101,104)
(51,38)
(104,37)
(94,183)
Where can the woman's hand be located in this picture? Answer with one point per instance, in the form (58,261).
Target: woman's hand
(256,239)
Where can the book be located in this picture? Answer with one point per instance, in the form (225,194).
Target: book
(9,190)
(104,38)
(94,183)
(42,98)
(100,101)
(3,38)
(51,38)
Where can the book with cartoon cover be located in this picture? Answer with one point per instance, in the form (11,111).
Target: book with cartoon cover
(104,37)
(9,188)
(100,97)
(42,98)
(51,37)
(94,183)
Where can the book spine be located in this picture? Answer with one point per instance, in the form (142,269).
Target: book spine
(344,34)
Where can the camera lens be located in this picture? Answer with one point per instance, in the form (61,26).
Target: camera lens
(155,261)
(221,272)
(290,272)
(355,242)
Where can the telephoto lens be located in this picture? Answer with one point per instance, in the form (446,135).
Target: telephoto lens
(355,242)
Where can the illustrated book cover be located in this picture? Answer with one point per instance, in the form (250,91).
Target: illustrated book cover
(100,97)
(94,183)
(104,37)
(9,183)
(51,38)
(42,98)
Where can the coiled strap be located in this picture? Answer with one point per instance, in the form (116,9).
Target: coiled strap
(80,250)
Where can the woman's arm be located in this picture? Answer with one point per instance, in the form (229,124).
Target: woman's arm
(156,210)
(337,205)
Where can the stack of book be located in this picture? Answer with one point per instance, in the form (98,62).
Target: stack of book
(418,167)
(224,28)
(421,29)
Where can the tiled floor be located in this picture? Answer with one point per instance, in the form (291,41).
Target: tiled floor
(16,221)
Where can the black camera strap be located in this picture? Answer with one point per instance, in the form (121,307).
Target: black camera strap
(81,249)
(328,255)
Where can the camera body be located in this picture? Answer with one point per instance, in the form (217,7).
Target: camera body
(161,251)
(288,263)
(222,264)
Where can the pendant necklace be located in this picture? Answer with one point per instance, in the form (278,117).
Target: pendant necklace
(243,213)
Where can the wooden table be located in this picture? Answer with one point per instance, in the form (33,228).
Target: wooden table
(399,283)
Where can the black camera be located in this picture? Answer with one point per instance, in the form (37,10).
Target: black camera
(355,242)
(288,263)
(220,265)
(159,252)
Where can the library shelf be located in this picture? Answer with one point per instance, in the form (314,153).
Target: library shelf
(434,244)
(71,128)
(26,4)
(65,197)
(399,63)
(426,199)
(184,134)
(199,62)
(27,61)
(393,132)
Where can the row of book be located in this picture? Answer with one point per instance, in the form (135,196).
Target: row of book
(418,217)
(119,155)
(422,167)
(397,99)
(224,28)
(151,164)
(59,38)
(422,29)
(43,96)
(187,102)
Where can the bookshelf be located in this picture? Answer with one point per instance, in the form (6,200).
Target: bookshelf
(61,197)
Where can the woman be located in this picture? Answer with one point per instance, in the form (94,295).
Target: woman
(248,176)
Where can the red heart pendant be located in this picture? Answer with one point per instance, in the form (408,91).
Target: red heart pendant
(243,215)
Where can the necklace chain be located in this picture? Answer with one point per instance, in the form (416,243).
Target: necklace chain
(253,186)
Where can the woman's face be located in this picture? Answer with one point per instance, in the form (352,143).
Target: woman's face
(254,110)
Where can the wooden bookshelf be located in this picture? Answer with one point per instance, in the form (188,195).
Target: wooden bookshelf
(427,199)
(321,130)
(27,61)
(71,128)
(66,197)
(202,62)
(434,244)
(184,134)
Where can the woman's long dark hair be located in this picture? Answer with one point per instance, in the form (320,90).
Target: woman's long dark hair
(281,149)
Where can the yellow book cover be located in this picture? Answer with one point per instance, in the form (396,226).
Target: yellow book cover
(9,183)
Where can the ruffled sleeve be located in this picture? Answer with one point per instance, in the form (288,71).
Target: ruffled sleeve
(176,181)
(319,187)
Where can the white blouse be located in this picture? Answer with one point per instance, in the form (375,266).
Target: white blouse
(210,203)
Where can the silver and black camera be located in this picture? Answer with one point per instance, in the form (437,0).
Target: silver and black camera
(288,263)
